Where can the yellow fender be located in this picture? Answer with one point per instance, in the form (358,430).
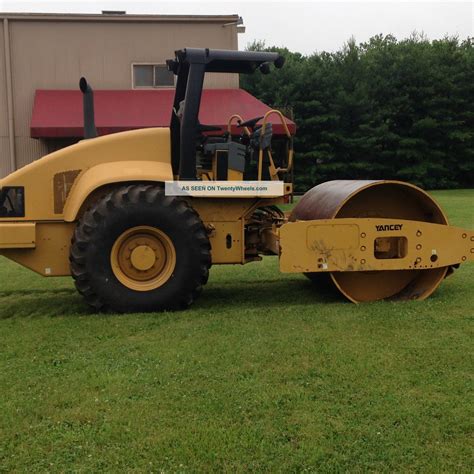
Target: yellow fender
(111,173)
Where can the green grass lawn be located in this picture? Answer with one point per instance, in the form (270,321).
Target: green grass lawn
(263,373)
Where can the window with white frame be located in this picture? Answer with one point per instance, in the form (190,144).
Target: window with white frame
(151,75)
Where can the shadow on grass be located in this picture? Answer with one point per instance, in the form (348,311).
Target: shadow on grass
(32,292)
(271,293)
(66,302)
(47,302)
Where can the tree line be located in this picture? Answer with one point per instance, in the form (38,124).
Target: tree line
(383,109)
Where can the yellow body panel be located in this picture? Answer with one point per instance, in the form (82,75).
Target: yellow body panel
(90,159)
(225,220)
(227,242)
(17,235)
(50,257)
(371,244)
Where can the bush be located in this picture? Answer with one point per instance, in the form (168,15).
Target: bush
(384,109)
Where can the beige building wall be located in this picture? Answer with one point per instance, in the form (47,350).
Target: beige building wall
(53,52)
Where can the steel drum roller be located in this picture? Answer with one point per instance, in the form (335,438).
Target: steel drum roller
(385,199)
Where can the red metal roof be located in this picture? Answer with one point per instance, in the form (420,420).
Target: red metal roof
(58,113)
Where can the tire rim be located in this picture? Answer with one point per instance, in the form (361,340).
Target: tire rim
(143,258)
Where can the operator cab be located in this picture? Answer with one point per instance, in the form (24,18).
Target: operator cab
(198,151)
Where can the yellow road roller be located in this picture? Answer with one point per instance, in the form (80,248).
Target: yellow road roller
(135,218)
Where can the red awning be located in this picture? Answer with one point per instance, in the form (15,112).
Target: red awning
(58,113)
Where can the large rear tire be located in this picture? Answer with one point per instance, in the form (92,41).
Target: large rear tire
(137,250)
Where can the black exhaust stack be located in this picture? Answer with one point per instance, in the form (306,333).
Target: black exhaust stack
(88,106)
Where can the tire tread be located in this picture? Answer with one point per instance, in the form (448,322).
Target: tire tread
(114,201)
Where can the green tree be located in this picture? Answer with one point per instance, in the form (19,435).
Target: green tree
(381,109)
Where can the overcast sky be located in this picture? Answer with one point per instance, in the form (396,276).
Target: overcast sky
(300,26)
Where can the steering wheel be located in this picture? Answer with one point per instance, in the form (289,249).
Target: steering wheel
(209,128)
(250,123)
